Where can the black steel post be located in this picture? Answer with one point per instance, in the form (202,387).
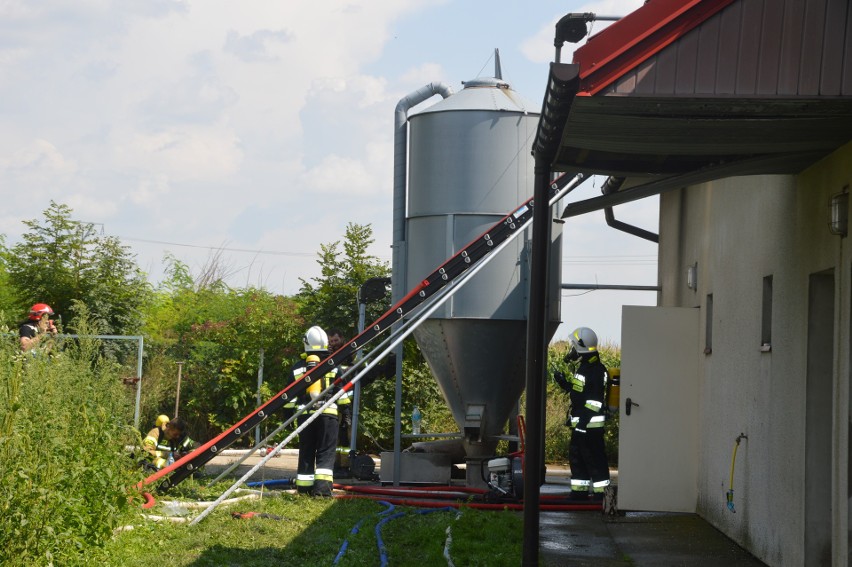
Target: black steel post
(536,364)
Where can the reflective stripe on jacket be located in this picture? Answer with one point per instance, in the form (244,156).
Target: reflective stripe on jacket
(300,370)
(588,393)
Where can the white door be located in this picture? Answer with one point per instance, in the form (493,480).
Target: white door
(658,437)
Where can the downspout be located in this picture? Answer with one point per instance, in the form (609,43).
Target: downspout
(612,185)
(562,85)
(400,170)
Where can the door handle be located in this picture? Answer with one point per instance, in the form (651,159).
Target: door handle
(628,404)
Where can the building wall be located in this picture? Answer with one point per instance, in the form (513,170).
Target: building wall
(736,232)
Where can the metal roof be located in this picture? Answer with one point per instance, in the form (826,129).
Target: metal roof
(679,86)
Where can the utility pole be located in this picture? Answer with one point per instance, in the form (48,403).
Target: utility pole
(177,393)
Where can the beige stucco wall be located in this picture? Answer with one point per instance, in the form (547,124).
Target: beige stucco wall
(738,231)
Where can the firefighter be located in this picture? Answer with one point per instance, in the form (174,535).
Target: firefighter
(587,389)
(37,328)
(167,442)
(317,442)
(154,444)
(178,440)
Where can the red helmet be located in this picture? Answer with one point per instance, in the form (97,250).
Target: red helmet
(38,310)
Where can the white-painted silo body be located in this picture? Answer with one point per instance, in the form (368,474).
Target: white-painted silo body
(470,164)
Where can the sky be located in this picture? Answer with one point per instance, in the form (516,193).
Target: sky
(255,131)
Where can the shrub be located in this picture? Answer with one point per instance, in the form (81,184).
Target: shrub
(66,474)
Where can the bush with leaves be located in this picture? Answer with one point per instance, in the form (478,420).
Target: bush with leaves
(218,333)
(66,473)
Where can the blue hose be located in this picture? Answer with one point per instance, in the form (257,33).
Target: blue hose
(271,482)
(383,552)
(355,529)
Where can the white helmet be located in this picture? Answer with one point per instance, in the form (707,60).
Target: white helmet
(584,340)
(315,340)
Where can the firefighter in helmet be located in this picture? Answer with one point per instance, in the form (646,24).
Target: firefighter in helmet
(154,444)
(167,442)
(37,328)
(587,389)
(317,442)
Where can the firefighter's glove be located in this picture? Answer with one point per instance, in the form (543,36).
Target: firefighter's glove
(560,379)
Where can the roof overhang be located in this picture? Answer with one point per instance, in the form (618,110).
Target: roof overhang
(633,135)
(594,121)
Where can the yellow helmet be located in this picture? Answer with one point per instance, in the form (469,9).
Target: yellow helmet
(162,420)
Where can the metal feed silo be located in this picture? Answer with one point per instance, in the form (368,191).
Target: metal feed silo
(470,164)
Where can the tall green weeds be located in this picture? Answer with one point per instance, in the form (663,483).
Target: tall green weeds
(64,472)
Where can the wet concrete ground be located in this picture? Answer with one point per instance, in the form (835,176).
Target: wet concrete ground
(579,539)
(637,539)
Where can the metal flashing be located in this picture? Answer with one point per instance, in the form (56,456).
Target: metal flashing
(636,37)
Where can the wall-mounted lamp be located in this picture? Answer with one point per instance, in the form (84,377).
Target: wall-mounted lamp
(839,209)
(692,277)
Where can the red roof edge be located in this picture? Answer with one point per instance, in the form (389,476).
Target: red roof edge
(634,38)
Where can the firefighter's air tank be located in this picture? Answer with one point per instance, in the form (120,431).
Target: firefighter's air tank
(469,165)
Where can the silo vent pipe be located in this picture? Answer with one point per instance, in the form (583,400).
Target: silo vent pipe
(400,255)
(400,170)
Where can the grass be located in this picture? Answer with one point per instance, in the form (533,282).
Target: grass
(66,493)
(311,531)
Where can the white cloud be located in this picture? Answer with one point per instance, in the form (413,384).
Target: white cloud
(416,77)
(151,189)
(40,157)
(256,46)
(336,175)
(191,154)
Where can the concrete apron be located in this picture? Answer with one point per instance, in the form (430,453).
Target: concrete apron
(636,539)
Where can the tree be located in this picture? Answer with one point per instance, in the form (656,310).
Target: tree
(10,303)
(61,261)
(331,301)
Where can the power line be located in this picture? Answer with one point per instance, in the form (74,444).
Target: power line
(582,260)
(223,248)
(226,249)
